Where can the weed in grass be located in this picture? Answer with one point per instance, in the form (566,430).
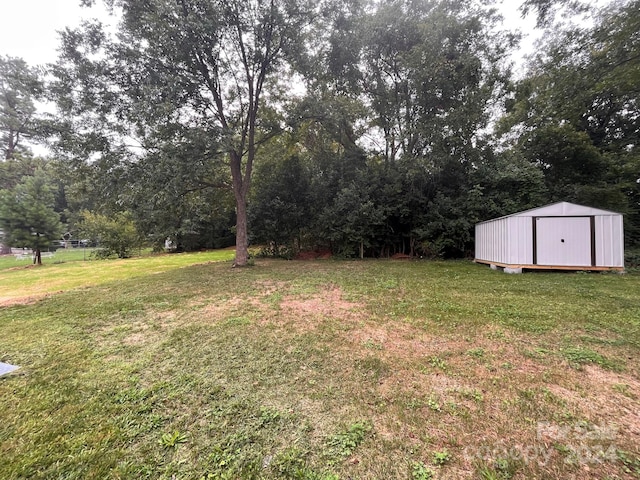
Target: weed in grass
(223,463)
(237,321)
(612,342)
(441,457)
(630,462)
(536,353)
(371,345)
(578,356)
(476,352)
(506,468)
(472,394)
(485,472)
(343,444)
(527,394)
(419,471)
(497,334)
(501,470)
(172,440)
(268,415)
(291,464)
(388,284)
(433,405)
(553,399)
(287,463)
(562,449)
(437,362)
(624,389)
(451,407)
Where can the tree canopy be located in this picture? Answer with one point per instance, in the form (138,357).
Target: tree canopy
(366,128)
(20,86)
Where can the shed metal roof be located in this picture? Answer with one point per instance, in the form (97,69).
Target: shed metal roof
(560,209)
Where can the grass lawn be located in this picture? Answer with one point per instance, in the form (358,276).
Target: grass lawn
(21,281)
(180,367)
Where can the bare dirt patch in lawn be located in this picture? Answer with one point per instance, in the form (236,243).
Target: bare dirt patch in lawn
(136,333)
(26,299)
(444,386)
(217,309)
(270,287)
(13,301)
(305,312)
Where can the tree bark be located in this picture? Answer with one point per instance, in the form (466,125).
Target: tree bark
(240,194)
(242,242)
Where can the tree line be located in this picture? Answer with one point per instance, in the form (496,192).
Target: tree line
(360,127)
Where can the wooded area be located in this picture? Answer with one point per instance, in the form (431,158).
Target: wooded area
(360,127)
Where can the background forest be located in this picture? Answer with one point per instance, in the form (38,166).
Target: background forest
(362,127)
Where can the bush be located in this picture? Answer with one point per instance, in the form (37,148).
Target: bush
(115,236)
(632,258)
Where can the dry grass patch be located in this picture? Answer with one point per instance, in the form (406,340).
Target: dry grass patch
(328,303)
(479,396)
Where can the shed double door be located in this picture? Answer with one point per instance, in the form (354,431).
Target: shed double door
(563,241)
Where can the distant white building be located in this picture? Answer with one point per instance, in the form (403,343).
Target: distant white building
(560,236)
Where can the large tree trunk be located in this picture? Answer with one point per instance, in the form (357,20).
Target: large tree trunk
(242,241)
(240,193)
(37,257)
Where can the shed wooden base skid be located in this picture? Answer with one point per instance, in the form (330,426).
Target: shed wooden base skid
(515,267)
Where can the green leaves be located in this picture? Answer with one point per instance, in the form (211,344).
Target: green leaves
(27,217)
(20,86)
(173,439)
(115,235)
(343,444)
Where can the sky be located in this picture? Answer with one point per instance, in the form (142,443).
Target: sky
(29,29)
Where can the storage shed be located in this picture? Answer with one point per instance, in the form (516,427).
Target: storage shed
(560,236)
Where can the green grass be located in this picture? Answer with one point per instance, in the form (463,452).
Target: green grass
(59,256)
(67,270)
(178,366)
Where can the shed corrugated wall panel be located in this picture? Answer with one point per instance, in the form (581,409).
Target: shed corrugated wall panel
(483,242)
(500,240)
(609,241)
(505,240)
(482,231)
(492,241)
(480,241)
(523,239)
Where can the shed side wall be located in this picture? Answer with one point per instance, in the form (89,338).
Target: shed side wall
(484,241)
(492,241)
(609,236)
